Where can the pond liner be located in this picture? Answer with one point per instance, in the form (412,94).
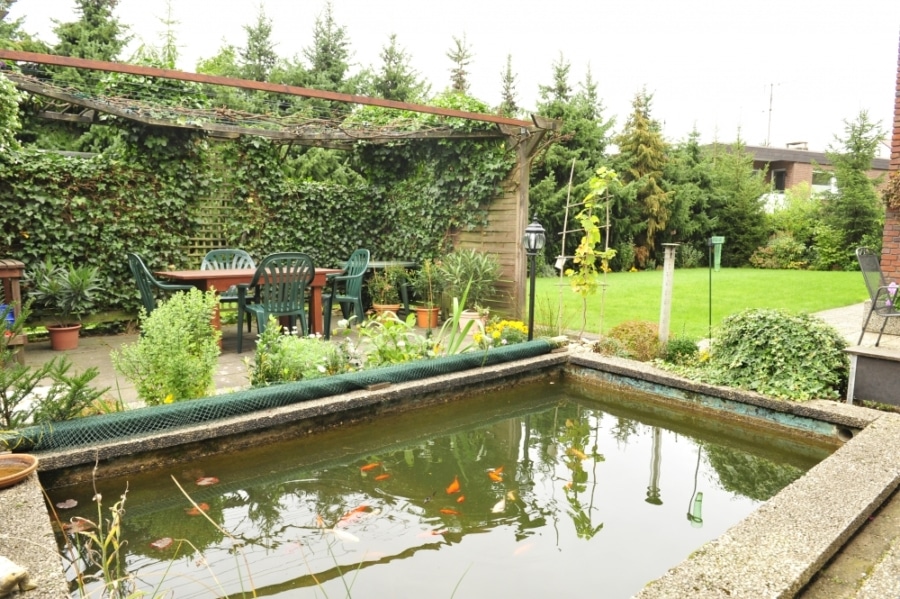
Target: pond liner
(154,419)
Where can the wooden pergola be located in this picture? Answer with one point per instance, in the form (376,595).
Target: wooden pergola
(508,215)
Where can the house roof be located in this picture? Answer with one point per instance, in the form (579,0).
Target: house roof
(769,154)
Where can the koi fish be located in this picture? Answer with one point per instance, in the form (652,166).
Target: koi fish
(353,512)
(460,499)
(575,452)
(371,466)
(162,543)
(196,510)
(343,535)
(449,512)
(499,507)
(77,524)
(206,481)
(454,486)
(384,476)
(496,474)
(320,522)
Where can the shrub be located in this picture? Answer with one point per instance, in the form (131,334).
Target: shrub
(176,356)
(283,357)
(681,350)
(639,338)
(783,355)
(782,251)
(607,346)
(689,256)
(391,340)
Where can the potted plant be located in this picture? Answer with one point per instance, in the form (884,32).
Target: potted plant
(427,288)
(473,275)
(67,292)
(384,287)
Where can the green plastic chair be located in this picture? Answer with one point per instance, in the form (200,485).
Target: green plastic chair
(279,285)
(350,297)
(227,259)
(147,284)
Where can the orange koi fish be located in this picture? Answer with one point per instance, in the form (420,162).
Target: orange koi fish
(496,474)
(384,476)
(320,522)
(449,512)
(195,511)
(353,512)
(460,499)
(454,486)
(371,466)
(206,481)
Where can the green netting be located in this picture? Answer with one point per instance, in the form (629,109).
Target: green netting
(150,420)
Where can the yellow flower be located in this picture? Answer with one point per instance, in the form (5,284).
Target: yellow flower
(169,398)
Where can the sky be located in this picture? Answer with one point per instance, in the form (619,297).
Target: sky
(771,71)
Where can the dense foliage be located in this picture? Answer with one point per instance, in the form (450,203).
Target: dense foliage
(776,353)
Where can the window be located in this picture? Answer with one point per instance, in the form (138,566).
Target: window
(778,179)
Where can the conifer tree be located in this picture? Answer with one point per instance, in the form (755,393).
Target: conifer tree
(640,164)
(396,79)
(508,106)
(461,56)
(854,211)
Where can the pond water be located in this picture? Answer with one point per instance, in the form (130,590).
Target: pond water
(544,489)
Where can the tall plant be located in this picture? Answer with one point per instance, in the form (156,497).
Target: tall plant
(589,260)
(176,357)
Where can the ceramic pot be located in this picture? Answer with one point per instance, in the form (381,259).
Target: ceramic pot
(427,318)
(478,321)
(63,338)
(15,467)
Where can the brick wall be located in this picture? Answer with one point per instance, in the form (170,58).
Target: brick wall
(890,253)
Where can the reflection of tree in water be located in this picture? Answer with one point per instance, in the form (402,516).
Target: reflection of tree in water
(748,475)
(575,436)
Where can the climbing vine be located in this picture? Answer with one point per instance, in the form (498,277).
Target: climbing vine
(589,261)
(145,187)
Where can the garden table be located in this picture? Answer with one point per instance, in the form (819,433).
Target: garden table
(220,280)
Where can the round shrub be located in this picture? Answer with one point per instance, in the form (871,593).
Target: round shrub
(639,338)
(780,354)
(681,350)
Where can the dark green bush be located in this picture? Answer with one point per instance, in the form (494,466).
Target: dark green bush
(780,354)
(639,338)
(681,350)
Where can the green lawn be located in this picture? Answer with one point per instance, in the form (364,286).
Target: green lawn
(637,296)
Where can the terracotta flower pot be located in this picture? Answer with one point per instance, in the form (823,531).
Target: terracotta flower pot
(63,338)
(15,467)
(427,318)
(382,308)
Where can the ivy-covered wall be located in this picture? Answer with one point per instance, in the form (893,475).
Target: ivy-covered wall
(146,193)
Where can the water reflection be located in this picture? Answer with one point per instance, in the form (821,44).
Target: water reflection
(543,484)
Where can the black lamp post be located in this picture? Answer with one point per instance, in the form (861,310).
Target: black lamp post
(534,242)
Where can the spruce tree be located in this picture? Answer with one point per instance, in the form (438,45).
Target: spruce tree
(508,106)
(643,154)
(461,56)
(395,78)
(854,211)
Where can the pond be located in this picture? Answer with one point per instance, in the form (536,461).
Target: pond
(541,489)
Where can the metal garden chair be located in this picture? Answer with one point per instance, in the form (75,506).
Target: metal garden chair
(147,284)
(881,294)
(227,259)
(280,285)
(345,288)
